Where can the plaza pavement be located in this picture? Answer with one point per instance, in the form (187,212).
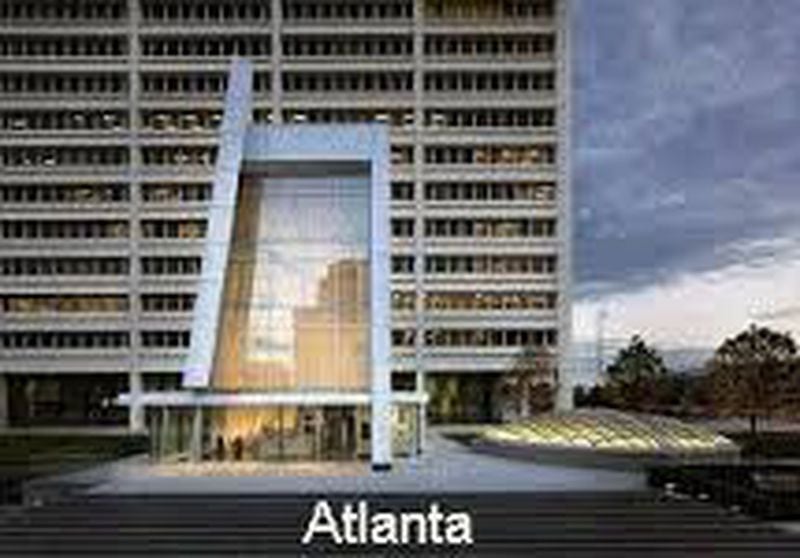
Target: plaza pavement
(445,467)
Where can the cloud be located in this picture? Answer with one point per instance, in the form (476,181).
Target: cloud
(687,119)
(701,309)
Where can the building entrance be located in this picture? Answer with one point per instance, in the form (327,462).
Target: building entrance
(277,433)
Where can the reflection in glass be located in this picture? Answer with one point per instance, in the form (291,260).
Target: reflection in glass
(296,301)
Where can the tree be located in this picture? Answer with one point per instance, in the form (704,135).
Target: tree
(638,377)
(529,384)
(749,373)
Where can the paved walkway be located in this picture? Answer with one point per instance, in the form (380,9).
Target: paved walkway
(447,467)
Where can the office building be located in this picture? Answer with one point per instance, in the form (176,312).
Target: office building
(110,114)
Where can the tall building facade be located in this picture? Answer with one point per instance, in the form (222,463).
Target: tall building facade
(109,117)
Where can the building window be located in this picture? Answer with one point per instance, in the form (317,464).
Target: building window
(63,229)
(403,301)
(404,381)
(188,229)
(402,264)
(402,228)
(64,193)
(174,265)
(166,193)
(165,339)
(490,228)
(478,301)
(156,303)
(490,264)
(63,303)
(491,337)
(494,155)
(490,191)
(72,120)
(402,191)
(64,340)
(403,337)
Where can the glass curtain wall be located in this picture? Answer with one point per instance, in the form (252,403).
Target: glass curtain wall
(296,302)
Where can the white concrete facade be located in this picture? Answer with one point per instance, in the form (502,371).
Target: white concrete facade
(128,97)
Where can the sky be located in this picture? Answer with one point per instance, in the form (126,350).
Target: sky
(686,142)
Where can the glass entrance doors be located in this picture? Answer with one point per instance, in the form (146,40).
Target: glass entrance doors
(279,433)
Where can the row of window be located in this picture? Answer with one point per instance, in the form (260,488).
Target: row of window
(103,193)
(63,156)
(171,265)
(175,265)
(58,84)
(64,120)
(348,81)
(491,118)
(196,84)
(65,303)
(162,193)
(69,10)
(477,264)
(492,155)
(191,228)
(64,193)
(63,46)
(465,118)
(181,120)
(311,10)
(483,10)
(477,337)
(196,192)
(64,339)
(182,302)
(394,117)
(327,47)
(490,45)
(260,45)
(63,266)
(501,265)
(490,81)
(214,11)
(528,300)
(192,192)
(477,191)
(490,228)
(63,229)
(90,339)
(165,339)
(33,304)
(213,84)
(179,156)
(481,191)
(258,10)
(208,120)
(253,46)
(405,301)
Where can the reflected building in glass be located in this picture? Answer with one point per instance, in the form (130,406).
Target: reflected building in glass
(290,346)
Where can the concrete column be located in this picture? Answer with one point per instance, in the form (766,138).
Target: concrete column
(381,432)
(3,401)
(421,427)
(164,434)
(136,412)
(197,434)
(276,24)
